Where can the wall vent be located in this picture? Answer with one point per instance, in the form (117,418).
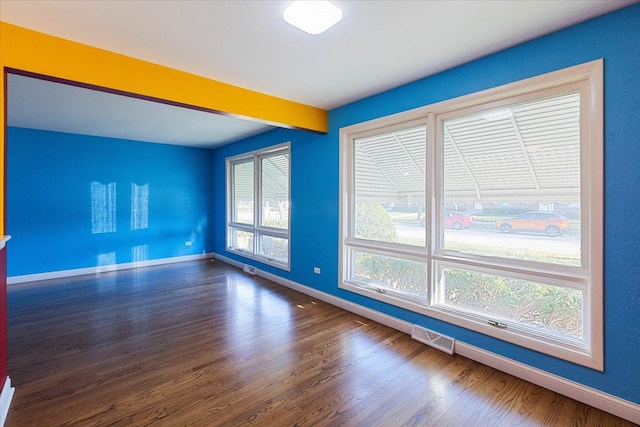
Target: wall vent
(433,339)
(249,269)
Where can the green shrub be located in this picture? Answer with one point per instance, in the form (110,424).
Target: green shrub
(274,248)
(404,276)
(535,304)
(373,222)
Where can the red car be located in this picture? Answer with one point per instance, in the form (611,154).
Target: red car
(455,220)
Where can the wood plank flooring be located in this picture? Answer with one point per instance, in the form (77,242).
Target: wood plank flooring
(203,344)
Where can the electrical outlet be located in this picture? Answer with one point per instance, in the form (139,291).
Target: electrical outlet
(187,243)
(316,270)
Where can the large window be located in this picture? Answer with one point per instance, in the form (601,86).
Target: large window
(485,211)
(258,205)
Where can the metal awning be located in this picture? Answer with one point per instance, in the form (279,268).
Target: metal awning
(275,178)
(529,152)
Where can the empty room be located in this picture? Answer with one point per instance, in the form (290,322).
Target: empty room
(320,213)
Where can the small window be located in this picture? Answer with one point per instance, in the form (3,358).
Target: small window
(258,206)
(486,212)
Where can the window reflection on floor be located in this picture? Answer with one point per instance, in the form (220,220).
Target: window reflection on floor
(261,319)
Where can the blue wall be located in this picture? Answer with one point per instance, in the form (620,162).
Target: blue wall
(315,186)
(49,201)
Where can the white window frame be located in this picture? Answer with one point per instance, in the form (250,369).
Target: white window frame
(588,277)
(259,231)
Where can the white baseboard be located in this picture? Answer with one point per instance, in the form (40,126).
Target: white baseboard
(5,400)
(102,269)
(598,399)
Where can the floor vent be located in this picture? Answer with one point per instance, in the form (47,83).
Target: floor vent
(433,339)
(249,269)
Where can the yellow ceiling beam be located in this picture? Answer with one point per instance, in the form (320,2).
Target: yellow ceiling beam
(40,53)
(34,52)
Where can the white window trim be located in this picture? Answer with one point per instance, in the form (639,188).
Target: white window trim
(591,355)
(256,228)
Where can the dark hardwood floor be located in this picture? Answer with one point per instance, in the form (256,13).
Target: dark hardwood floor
(203,344)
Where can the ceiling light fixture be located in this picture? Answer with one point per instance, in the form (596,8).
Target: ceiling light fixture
(313,17)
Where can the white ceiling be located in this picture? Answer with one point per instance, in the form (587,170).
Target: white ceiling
(378,45)
(40,104)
